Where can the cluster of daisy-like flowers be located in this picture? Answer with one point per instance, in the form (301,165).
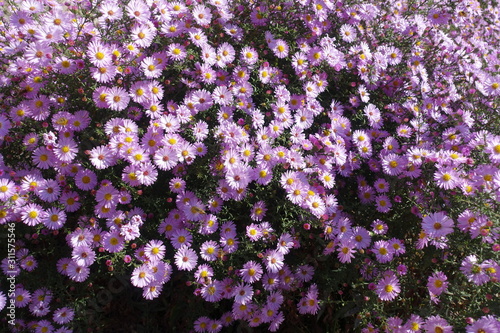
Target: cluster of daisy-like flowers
(342,108)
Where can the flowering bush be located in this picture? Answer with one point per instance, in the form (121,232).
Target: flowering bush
(287,164)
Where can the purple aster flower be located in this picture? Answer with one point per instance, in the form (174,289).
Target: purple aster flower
(181,237)
(437,324)
(22,297)
(201,324)
(83,255)
(304,273)
(379,227)
(383,203)
(101,157)
(309,303)
(274,260)
(7,189)
(142,276)
(204,274)
(398,246)
(383,251)
(3,300)
(393,164)
(258,211)
(49,190)
(152,291)
(212,292)
(276,322)
(474,271)
(251,272)
(285,243)
(388,288)
(346,250)
(437,284)
(44,326)
(242,293)
(486,324)
(117,98)
(185,258)
(85,179)
(253,232)
(361,237)
(77,272)
(229,242)
(202,15)
(437,225)
(113,242)
(155,250)
(271,281)
(209,224)
(32,214)
(446,178)
(414,323)
(98,53)
(274,300)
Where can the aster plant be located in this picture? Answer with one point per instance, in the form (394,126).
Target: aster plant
(294,165)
